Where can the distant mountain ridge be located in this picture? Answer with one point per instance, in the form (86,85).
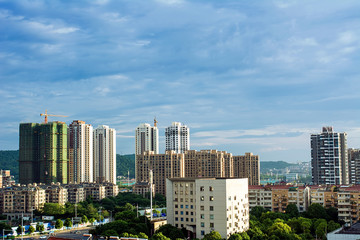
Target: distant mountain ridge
(9,161)
(265,165)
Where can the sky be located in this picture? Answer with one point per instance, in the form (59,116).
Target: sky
(244,76)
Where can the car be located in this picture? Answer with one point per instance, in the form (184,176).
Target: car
(43,237)
(77,232)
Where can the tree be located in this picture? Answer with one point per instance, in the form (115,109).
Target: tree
(257,211)
(235,236)
(213,235)
(53,209)
(315,210)
(332,226)
(68,222)
(31,229)
(125,215)
(59,224)
(92,220)
(159,236)
(170,231)
(332,214)
(292,211)
(20,230)
(321,230)
(4,226)
(143,235)
(84,219)
(40,227)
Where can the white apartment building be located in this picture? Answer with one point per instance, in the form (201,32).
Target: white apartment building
(146,139)
(329,158)
(105,154)
(202,205)
(177,138)
(81,161)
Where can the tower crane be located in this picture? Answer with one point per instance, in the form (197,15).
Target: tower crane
(155,122)
(51,115)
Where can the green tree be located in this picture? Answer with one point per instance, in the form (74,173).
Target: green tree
(332,214)
(59,224)
(143,235)
(125,215)
(257,211)
(235,236)
(332,226)
(53,209)
(92,220)
(68,222)
(321,230)
(280,230)
(159,236)
(110,232)
(171,231)
(4,226)
(84,219)
(244,236)
(292,210)
(213,235)
(31,229)
(20,230)
(316,210)
(40,227)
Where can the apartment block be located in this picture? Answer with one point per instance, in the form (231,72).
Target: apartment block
(95,190)
(43,153)
(81,161)
(354,165)
(76,193)
(177,138)
(111,190)
(247,166)
(277,197)
(104,154)
(202,205)
(6,179)
(348,198)
(55,193)
(204,163)
(329,157)
(168,165)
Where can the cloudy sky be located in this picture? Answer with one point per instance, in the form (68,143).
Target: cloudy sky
(245,76)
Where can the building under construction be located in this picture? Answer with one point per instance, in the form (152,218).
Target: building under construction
(43,154)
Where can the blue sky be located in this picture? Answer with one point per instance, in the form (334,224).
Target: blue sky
(245,76)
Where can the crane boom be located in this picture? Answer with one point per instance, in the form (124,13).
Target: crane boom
(51,115)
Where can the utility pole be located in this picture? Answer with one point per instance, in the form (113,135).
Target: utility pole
(22,223)
(75,210)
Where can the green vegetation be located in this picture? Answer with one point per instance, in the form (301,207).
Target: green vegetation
(125,163)
(275,164)
(9,160)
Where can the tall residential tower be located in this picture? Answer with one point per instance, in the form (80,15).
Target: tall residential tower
(80,137)
(43,156)
(329,158)
(105,154)
(177,138)
(146,138)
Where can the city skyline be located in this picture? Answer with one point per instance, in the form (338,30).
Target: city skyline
(243,76)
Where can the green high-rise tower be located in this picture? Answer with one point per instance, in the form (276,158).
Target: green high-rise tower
(43,153)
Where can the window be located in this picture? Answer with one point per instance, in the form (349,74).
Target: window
(176,219)
(182,213)
(182,219)
(181,206)
(211,216)
(176,212)
(186,206)
(211,208)
(176,206)
(202,233)
(191,207)
(192,220)
(211,189)
(202,188)
(202,198)
(202,224)
(202,208)
(202,216)
(211,198)
(211,225)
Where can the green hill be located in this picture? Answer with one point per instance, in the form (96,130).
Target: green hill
(9,161)
(266,165)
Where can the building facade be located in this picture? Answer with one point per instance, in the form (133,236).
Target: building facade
(202,205)
(177,138)
(146,139)
(43,156)
(199,164)
(354,165)
(104,154)
(329,158)
(81,161)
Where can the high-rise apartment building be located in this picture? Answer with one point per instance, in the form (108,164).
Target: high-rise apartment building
(146,139)
(354,166)
(105,154)
(43,156)
(247,166)
(177,138)
(203,205)
(80,138)
(329,158)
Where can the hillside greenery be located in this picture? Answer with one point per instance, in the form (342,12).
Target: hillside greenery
(9,161)
(265,165)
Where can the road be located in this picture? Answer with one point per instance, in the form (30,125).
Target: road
(70,234)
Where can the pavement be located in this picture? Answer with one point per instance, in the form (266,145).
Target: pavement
(70,234)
